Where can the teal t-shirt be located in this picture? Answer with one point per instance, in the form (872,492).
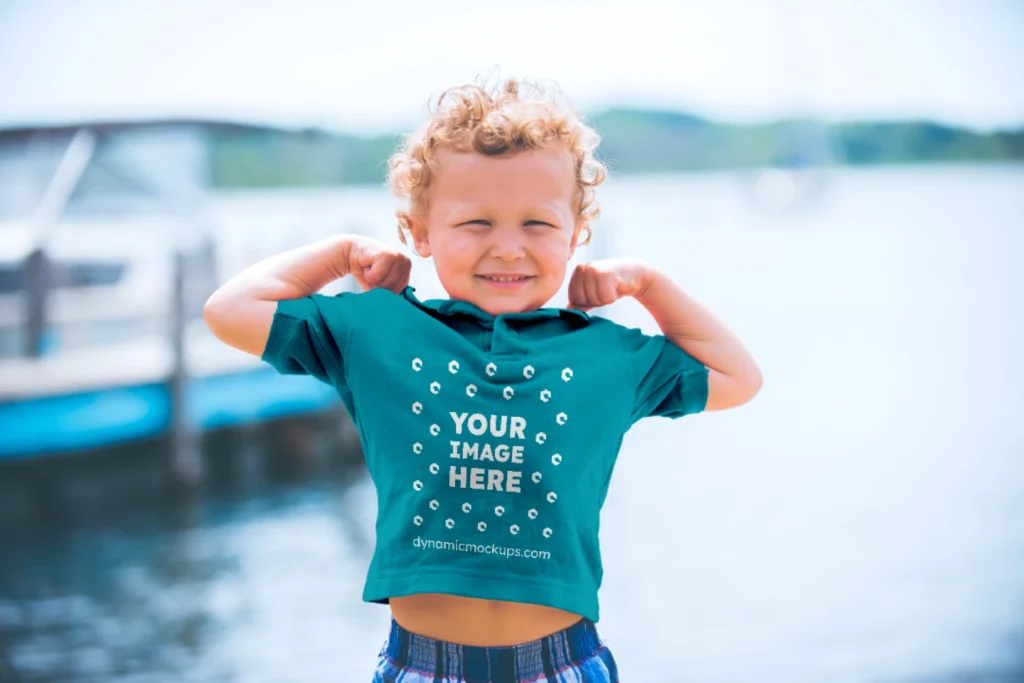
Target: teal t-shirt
(490,439)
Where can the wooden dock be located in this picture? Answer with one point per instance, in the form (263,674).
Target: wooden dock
(94,397)
(102,283)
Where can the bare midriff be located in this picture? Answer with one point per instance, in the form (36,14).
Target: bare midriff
(482,623)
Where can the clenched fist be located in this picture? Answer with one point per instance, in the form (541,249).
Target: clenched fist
(604,282)
(376,265)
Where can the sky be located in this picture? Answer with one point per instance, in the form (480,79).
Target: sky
(371,66)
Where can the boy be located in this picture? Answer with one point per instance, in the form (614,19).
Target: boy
(490,424)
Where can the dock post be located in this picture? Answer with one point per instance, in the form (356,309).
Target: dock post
(37,267)
(37,283)
(186,452)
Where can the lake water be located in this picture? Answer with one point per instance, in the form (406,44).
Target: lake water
(862,520)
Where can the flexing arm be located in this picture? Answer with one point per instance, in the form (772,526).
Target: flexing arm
(241,311)
(733,376)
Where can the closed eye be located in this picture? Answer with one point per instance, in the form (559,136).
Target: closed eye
(483,222)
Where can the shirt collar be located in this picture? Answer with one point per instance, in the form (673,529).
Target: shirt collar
(455,307)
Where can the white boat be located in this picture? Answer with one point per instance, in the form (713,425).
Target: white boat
(108,251)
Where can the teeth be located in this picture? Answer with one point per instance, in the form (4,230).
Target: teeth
(504,279)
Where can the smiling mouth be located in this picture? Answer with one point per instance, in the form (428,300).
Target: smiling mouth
(505,278)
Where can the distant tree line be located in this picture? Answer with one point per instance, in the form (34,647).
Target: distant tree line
(633,141)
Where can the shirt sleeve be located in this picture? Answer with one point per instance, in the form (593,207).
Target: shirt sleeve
(308,336)
(668,382)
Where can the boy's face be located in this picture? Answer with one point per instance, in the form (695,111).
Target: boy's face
(501,229)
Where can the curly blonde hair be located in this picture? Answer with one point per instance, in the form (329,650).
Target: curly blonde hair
(495,121)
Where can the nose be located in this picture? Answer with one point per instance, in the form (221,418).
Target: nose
(507,243)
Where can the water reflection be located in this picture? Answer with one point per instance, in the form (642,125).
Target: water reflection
(198,587)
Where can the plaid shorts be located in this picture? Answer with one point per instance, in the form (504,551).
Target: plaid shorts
(575,654)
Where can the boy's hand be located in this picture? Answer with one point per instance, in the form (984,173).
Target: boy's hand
(376,265)
(604,282)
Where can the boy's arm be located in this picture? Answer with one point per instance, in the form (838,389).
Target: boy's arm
(733,376)
(241,311)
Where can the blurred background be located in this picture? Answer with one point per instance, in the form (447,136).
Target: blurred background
(841,182)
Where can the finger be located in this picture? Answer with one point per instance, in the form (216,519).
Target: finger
(607,289)
(354,267)
(581,301)
(405,273)
(398,278)
(577,298)
(359,261)
(366,258)
(388,281)
(593,296)
(378,270)
(394,279)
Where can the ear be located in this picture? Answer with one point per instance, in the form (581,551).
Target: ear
(420,238)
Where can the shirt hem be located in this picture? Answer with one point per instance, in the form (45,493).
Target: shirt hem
(283,328)
(695,393)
